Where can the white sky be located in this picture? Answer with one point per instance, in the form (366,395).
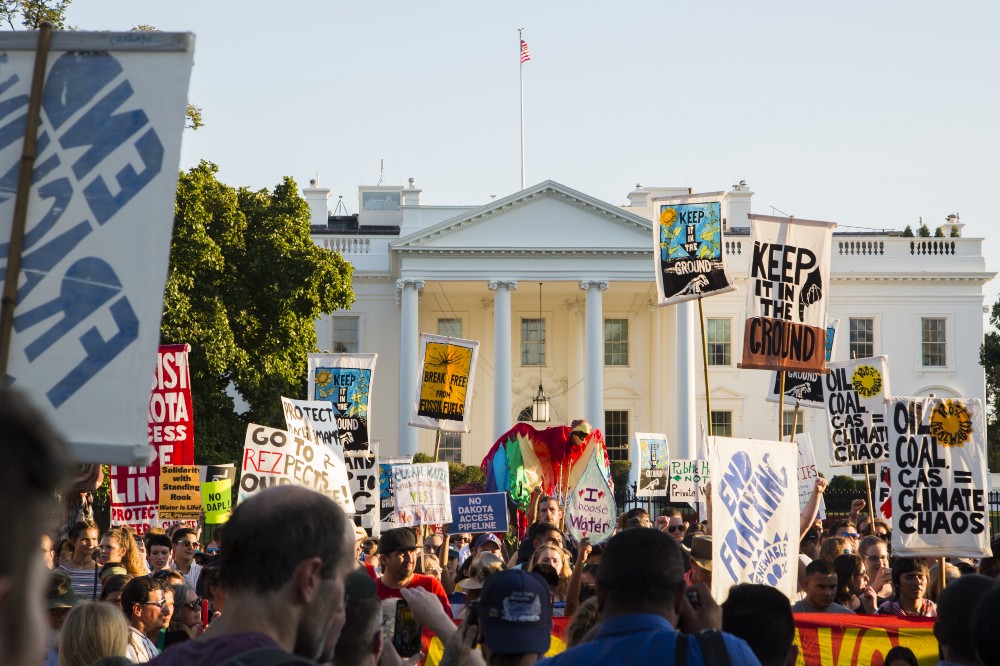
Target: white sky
(868,114)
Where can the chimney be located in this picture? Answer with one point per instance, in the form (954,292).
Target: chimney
(318,199)
(411,195)
(638,197)
(737,207)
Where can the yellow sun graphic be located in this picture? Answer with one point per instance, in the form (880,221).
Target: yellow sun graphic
(951,423)
(867,381)
(668,216)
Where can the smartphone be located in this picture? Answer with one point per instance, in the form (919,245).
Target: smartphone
(693,598)
(406,638)
(472,614)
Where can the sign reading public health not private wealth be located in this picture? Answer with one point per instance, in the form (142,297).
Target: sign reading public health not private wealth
(100,214)
(687,245)
(938,477)
(345,380)
(483,512)
(788,290)
(444,393)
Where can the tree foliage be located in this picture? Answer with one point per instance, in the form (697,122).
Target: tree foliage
(30,14)
(908,232)
(246,284)
(989,358)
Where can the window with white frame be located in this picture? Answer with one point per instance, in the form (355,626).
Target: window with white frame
(451,328)
(933,342)
(719,338)
(532,342)
(722,424)
(861,337)
(616,435)
(346,335)
(450,447)
(788,418)
(616,342)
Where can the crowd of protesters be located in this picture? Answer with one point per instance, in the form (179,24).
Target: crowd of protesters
(291,580)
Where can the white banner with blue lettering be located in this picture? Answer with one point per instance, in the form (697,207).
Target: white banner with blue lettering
(755,514)
(100,216)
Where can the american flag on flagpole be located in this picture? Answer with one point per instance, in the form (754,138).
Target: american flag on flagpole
(525,53)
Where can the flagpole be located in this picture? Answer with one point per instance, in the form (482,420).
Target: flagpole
(520,46)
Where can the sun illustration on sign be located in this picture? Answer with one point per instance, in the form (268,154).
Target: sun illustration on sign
(867,381)
(951,423)
(448,358)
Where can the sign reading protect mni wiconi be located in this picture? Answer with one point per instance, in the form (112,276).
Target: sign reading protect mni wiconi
(854,393)
(345,380)
(97,240)
(444,393)
(687,248)
(788,289)
(313,419)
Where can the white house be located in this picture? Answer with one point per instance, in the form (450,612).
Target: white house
(558,288)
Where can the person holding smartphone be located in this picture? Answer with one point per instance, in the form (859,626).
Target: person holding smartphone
(399,550)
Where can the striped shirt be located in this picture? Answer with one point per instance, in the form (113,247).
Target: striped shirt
(85,582)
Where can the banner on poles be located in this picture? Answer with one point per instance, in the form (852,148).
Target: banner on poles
(100,214)
(387,505)
(481,512)
(755,514)
(273,457)
(363,475)
(421,494)
(854,393)
(444,393)
(653,454)
(938,477)
(687,246)
(591,511)
(345,380)
(180,492)
(316,420)
(216,499)
(787,294)
(688,481)
(807,473)
(805,389)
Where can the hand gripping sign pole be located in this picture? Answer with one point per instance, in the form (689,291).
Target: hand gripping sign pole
(28,153)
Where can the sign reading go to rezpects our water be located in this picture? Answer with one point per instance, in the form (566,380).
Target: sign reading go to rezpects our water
(273,457)
(653,454)
(345,380)
(591,512)
(444,393)
(787,294)
(687,246)
(421,493)
(854,393)
(938,478)
(755,515)
(805,389)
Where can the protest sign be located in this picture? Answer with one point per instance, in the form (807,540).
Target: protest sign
(273,457)
(687,247)
(787,294)
(807,473)
(387,506)
(883,493)
(363,475)
(216,498)
(854,393)
(444,393)
(180,492)
(653,454)
(421,493)
(345,380)
(482,512)
(87,318)
(938,477)
(688,480)
(804,389)
(755,514)
(591,512)
(135,491)
(315,420)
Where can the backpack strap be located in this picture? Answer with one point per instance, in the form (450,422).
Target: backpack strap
(267,656)
(714,648)
(681,649)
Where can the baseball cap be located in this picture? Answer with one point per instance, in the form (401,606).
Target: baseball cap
(487,538)
(400,538)
(515,613)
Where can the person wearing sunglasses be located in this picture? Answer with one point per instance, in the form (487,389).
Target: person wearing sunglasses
(672,522)
(143,602)
(185,545)
(186,622)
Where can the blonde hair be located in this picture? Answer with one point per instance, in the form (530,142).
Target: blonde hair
(130,560)
(565,571)
(92,630)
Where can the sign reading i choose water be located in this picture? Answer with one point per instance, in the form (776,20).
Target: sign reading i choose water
(485,512)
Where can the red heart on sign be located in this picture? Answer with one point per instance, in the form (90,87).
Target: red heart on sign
(600,494)
(580,493)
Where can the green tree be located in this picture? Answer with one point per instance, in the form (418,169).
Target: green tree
(938,233)
(955,232)
(989,358)
(30,14)
(924,231)
(246,284)
(908,232)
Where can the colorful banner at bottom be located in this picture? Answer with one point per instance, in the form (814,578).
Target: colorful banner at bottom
(823,639)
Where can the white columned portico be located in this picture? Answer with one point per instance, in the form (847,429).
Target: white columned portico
(594,406)
(502,408)
(408,290)
(687,399)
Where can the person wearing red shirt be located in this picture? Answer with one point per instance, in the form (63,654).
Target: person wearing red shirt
(399,552)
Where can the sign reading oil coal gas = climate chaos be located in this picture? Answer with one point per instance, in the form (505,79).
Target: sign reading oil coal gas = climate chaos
(854,392)
(788,289)
(447,375)
(938,478)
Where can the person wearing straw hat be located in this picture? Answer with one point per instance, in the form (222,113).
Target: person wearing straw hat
(700,556)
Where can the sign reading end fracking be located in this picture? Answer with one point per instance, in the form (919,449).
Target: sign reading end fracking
(854,393)
(787,294)
(687,245)
(345,380)
(444,394)
(938,477)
